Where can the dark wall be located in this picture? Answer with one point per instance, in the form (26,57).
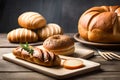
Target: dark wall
(63,12)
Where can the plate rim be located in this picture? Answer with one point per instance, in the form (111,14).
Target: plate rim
(79,39)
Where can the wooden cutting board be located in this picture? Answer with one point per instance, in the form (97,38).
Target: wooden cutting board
(57,72)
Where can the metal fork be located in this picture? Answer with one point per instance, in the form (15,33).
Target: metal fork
(108,55)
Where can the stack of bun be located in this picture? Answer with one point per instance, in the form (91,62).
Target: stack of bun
(34,27)
(100,24)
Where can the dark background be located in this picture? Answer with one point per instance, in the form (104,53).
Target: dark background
(66,13)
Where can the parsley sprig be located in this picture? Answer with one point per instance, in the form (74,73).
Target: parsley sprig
(27,48)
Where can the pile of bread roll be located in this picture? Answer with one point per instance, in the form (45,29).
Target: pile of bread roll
(34,27)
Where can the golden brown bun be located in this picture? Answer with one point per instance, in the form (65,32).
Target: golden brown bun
(39,56)
(31,20)
(22,35)
(100,24)
(59,44)
(49,30)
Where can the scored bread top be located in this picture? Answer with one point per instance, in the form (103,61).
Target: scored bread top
(100,24)
(22,35)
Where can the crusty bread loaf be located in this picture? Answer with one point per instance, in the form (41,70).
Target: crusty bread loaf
(39,56)
(31,20)
(22,35)
(100,24)
(49,30)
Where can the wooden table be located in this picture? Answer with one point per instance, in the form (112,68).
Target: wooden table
(110,70)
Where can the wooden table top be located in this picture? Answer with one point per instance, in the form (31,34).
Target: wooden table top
(109,70)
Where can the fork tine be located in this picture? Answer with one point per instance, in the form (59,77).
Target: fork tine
(108,55)
(101,54)
(115,55)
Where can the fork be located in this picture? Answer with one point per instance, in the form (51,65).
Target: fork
(108,55)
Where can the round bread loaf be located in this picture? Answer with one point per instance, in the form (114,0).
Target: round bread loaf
(31,20)
(59,44)
(22,35)
(100,24)
(49,30)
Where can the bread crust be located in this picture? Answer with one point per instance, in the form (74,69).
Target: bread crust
(59,44)
(39,56)
(22,35)
(31,20)
(49,30)
(100,24)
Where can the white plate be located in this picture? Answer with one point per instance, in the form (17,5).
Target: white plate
(81,40)
(57,72)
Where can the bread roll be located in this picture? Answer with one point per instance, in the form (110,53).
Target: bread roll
(22,35)
(39,56)
(59,45)
(31,20)
(100,24)
(49,30)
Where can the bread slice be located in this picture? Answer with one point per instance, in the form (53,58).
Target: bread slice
(73,64)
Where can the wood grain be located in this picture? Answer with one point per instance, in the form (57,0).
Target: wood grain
(56,72)
(110,70)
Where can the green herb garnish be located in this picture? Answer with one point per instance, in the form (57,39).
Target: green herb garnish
(27,48)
